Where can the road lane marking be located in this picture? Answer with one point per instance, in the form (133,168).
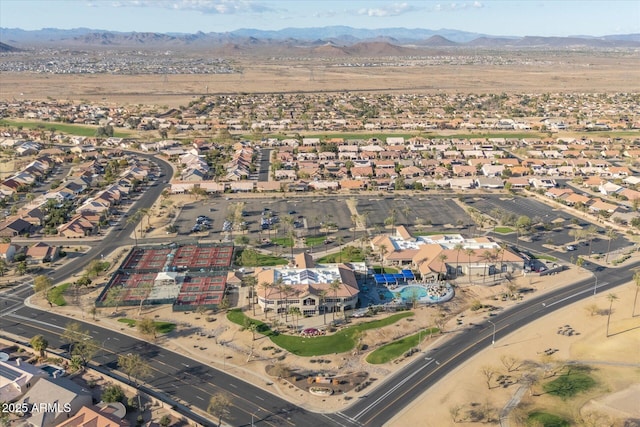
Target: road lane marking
(339,424)
(17,316)
(471,344)
(393,389)
(347,418)
(573,295)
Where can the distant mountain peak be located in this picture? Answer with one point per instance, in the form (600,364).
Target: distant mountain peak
(339,38)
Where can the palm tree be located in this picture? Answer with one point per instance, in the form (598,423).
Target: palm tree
(486,257)
(406,210)
(383,250)
(611,298)
(335,286)
(469,252)
(39,344)
(364,216)
(265,287)
(611,235)
(354,220)
(3,267)
(339,242)
(21,269)
(496,255)
(591,232)
(288,291)
(251,282)
(295,313)
(132,220)
(636,279)
(458,247)
(443,260)
(144,213)
(323,300)
(503,249)
(282,288)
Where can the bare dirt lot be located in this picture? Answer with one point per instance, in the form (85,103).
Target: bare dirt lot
(615,365)
(521,72)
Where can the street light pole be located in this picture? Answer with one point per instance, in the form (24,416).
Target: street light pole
(493,337)
(595,286)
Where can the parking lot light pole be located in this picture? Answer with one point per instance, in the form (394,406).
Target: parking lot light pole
(493,337)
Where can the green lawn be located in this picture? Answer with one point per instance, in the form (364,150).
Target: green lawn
(463,135)
(161,327)
(79,130)
(378,269)
(546,419)
(286,242)
(347,254)
(249,257)
(504,230)
(356,135)
(545,257)
(574,381)
(55,294)
(340,342)
(395,349)
(427,233)
(314,240)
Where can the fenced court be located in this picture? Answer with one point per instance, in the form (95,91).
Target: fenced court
(186,276)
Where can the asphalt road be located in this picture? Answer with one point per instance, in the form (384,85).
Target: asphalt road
(183,379)
(263,167)
(191,382)
(381,404)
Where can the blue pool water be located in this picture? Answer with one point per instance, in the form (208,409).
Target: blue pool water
(408,293)
(51,370)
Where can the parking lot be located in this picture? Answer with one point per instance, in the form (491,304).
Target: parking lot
(440,212)
(558,236)
(311,214)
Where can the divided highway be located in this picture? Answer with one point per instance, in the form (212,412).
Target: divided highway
(186,380)
(191,383)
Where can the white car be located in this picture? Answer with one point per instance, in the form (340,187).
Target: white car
(571,248)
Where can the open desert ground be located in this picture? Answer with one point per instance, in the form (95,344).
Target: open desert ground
(615,359)
(522,73)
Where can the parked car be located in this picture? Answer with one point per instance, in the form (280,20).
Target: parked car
(571,248)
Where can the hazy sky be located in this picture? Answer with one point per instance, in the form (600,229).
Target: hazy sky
(510,17)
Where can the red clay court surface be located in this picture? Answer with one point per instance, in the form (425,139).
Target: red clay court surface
(146,259)
(203,290)
(142,265)
(132,285)
(195,258)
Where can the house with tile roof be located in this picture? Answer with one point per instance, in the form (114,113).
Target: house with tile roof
(94,416)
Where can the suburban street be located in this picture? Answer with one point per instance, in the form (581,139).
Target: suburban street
(189,384)
(184,380)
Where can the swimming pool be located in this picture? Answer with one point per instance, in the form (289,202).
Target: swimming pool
(412,292)
(424,293)
(53,371)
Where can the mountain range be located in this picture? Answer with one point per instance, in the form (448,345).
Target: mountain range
(324,41)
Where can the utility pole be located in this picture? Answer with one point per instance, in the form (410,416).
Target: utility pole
(493,337)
